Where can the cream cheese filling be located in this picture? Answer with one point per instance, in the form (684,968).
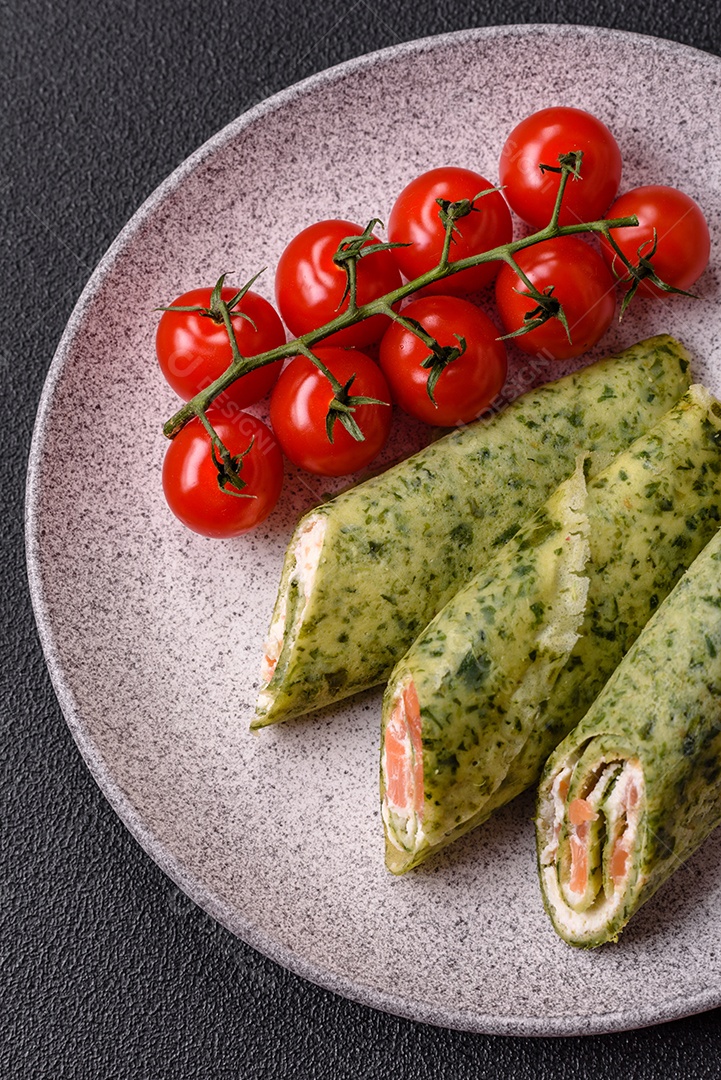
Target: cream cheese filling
(307,552)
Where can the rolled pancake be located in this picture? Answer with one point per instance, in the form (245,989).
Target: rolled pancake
(635,788)
(366,572)
(513,661)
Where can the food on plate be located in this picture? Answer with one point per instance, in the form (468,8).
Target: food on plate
(193,347)
(671,239)
(462,386)
(190,475)
(566,273)
(634,789)
(311,286)
(303,398)
(513,661)
(416,224)
(365,572)
(537,141)
(450,233)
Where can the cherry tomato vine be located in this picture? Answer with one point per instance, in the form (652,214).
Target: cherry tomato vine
(387,304)
(545,305)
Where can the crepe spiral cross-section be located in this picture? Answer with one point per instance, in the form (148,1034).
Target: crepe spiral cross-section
(635,788)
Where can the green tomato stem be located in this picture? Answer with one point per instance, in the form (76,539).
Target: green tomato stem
(242,365)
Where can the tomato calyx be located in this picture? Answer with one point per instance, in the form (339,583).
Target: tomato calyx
(228,466)
(570,162)
(438,361)
(643,270)
(439,357)
(343,406)
(450,212)
(353,248)
(547,307)
(220,310)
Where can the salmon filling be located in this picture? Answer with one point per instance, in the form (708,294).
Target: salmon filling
(402,770)
(595,822)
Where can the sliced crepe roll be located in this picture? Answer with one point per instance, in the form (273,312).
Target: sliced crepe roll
(630,794)
(513,661)
(366,572)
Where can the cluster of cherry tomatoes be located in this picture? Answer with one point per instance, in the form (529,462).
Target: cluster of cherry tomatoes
(193,347)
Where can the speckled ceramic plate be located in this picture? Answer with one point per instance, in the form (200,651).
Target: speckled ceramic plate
(153,635)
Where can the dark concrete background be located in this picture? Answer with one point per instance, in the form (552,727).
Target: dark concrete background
(107,970)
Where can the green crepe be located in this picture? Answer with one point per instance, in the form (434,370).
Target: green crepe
(646,761)
(513,661)
(367,571)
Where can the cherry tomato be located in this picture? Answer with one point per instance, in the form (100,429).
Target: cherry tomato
(538,140)
(190,478)
(683,241)
(193,349)
(415,220)
(468,384)
(299,404)
(581,282)
(309,285)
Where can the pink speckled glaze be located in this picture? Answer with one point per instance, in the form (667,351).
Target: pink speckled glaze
(153,635)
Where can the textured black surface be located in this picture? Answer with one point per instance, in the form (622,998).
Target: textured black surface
(107,970)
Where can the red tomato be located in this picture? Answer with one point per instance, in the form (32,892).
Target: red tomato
(193,349)
(538,140)
(415,220)
(309,285)
(299,405)
(581,282)
(468,384)
(683,241)
(190,478)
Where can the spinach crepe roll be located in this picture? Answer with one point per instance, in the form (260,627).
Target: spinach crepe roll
(630,794)
(513,661)
(366,572)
